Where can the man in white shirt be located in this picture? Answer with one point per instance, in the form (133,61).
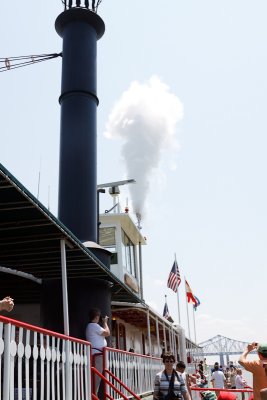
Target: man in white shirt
(217,378)
(96,335)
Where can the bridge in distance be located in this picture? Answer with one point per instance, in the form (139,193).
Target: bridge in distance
(222,346)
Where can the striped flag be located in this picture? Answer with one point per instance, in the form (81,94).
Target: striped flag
(166,313)
(189,294)
(174,279)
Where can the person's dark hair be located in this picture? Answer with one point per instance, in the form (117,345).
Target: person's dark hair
(94,312)
(168,356)
(216,363)
(180,364)
(216,367)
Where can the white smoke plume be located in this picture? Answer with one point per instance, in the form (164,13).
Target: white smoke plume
(145,117)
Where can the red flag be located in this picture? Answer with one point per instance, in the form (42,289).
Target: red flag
(189,294)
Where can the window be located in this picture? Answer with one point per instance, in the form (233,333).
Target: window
(107,239)
(118,335)
(128,254)
(114,334)
(122,337)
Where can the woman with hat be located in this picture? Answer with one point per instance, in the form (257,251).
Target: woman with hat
(257,367)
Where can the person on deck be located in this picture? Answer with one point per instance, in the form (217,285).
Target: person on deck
(257,367)
(200,366)
(169,385)
(188,379)
(232,376)
(218,379)
(96,335)
(240,382)
(216,364)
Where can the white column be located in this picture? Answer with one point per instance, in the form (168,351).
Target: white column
(158,342)
(64,287)
(148,332)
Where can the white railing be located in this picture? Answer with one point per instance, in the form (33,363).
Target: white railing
(136,371)
(36,364)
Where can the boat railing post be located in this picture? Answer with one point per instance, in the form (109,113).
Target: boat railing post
(7,333)
(105,367)
(87,372)
(68,371)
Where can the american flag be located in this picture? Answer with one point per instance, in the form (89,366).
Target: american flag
(174,279)
(166,313)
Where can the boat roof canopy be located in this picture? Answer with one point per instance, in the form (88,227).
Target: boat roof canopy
(30,244)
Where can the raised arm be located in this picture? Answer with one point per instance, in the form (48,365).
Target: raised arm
(106,331)
(243,358)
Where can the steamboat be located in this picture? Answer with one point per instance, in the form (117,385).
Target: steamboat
(57,268)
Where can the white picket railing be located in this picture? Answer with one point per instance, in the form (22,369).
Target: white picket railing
(36,364)
(136,371)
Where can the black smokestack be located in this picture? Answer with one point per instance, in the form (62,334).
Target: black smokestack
(80,29)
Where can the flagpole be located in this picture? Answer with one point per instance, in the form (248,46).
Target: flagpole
(194,323)
(187,310)
(178,303)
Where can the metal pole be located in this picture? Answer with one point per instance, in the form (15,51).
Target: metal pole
(98,220)
(64,287)
(174,343)
(178,303)
(141,270)
(194,324)
(188,325)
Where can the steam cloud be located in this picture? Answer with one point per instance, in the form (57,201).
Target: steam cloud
(145,117)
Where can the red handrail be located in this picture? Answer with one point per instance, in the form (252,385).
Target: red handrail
(111,349)
(122,384)
(41,330)
(95,371)
(198,389)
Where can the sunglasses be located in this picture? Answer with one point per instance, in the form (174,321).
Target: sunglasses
(169,361)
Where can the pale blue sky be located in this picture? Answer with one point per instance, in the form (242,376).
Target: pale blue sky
(211,209)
